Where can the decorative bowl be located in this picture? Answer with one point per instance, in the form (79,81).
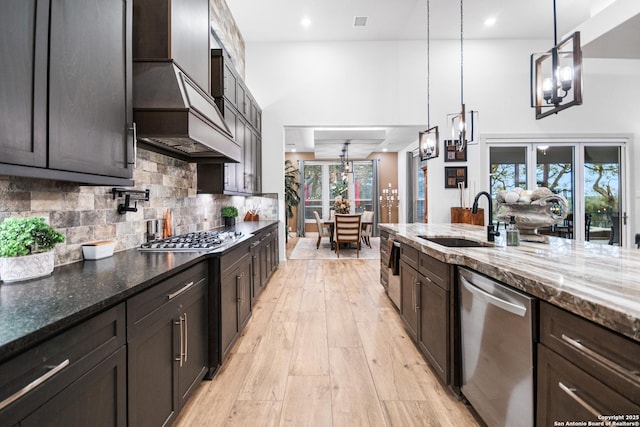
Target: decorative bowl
(543,212)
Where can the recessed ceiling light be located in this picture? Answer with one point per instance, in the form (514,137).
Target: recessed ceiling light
(490,21)
(385,150)
(293,150)
(305,22)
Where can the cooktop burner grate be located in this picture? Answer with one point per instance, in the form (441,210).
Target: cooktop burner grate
(202,240)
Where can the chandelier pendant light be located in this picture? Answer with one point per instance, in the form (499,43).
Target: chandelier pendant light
(347,165)
(556,75)
(463,125)
(429,140)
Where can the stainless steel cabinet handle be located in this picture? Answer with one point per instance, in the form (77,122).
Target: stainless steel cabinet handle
(179,291)
(634,376)
(571,392)
(181,350)
(186,337)
(238,288)
(416,293)
(33,384)
(134,130)
(517,309)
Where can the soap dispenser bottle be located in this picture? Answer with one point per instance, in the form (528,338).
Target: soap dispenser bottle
(513,234)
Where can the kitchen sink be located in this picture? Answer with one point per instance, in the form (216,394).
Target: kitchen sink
(457,242)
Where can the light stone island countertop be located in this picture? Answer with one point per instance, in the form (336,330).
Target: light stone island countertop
(595,281)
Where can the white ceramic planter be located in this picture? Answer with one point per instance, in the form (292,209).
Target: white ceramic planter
(15,269)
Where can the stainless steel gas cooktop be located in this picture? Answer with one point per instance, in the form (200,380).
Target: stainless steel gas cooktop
(198,241)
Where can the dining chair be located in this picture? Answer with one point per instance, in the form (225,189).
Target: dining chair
(348,230)
(323,231)
(367,217)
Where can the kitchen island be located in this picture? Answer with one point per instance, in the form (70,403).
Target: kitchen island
(571,354)
(597,282)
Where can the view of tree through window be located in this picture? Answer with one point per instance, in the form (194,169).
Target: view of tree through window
(312,190)
(556,166)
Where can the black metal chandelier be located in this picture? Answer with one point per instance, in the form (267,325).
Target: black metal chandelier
(429,140)
(556,75)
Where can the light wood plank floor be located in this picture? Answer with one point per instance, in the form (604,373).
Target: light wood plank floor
(324,347)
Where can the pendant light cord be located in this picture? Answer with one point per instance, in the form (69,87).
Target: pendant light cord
(555,25)
(462,53)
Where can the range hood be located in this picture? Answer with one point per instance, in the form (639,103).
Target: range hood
(172,114)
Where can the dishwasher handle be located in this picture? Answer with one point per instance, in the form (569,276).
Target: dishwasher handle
(517,309)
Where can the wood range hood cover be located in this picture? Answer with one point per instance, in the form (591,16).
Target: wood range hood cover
(173,114)
(172,110)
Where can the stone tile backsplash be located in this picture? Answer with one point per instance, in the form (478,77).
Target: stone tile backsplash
(88,213)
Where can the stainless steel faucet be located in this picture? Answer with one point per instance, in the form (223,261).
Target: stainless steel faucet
(491,231)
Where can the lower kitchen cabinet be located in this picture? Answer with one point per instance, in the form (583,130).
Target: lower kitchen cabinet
(77,378)
(433,335)
(385,252)
(409,294)
(167,334)
(96,398)
(268,255)
(584,370)
(425,307)
(235,295)
(436,315)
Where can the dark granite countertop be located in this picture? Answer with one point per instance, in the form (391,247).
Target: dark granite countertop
(34,310)
(597,282)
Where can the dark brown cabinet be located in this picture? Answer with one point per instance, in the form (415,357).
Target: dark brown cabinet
(23,83)
(425,307)
(167,338)
(584,370)
(264,259)
(235,295)
(76,378)
(434,331)
(243,116)
(385,253)
(65,97)
(409,298)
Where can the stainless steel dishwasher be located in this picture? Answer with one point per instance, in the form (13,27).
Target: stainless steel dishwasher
(497,350)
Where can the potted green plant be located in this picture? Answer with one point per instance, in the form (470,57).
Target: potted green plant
(291,196)
(229,214)
(26,248)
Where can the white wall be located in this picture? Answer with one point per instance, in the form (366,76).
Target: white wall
(384,83)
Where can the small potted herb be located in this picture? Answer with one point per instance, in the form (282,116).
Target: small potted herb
(26,248)
(229,214)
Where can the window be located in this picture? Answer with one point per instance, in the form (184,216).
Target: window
(313,190)
(587,174)
(324,181)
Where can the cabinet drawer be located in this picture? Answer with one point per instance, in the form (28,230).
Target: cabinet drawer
(566,392)
(435,270)
(612,358)
(231,258)
(150,300)
(409,255)
(58,362)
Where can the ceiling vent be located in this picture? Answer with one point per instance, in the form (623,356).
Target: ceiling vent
(360,21)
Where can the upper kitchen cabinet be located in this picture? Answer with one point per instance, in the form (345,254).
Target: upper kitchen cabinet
(177,30)
(65,96)
(243,116)
(23,81)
